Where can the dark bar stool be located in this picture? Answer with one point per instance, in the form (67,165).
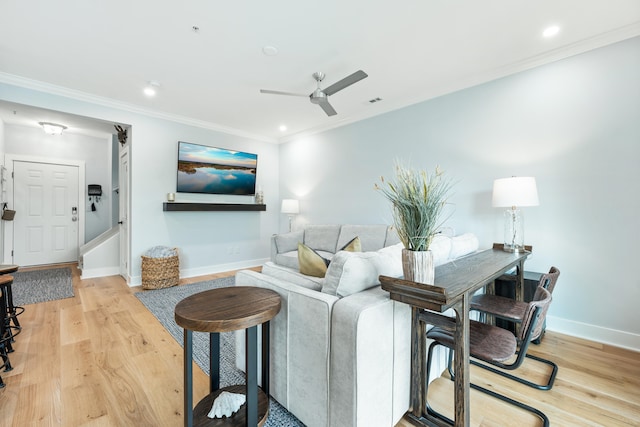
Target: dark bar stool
(12,311)
(5,335)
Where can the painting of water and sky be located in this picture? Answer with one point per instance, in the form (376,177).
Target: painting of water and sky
(203,169)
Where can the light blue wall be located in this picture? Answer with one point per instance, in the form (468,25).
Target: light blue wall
(573,124)
(207,241)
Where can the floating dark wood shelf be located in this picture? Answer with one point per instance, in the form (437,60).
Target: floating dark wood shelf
(195,207)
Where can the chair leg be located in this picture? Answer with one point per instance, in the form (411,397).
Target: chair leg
(511,401)
(6,363)
(428,407)
(547,386)
(502,397)
(13,311)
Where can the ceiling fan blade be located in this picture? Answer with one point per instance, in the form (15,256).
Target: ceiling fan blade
(324,104)
(347,81)
(279,92)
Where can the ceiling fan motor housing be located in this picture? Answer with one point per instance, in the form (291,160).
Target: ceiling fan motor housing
(317,96)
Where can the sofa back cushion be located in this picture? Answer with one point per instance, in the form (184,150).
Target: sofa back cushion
(287,242)
(392,236)
(322,237)
(372,237)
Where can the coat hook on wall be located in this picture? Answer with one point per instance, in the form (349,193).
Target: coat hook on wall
(95,192)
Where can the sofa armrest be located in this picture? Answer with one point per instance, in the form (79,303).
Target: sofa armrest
(300,343)
(370,360)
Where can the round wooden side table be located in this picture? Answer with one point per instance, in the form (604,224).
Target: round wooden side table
(224,310)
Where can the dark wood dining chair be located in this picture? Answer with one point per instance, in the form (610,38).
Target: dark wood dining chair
(509,309)
(491,346)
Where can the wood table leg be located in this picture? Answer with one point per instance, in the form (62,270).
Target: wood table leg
(214,361)
(252,376)
(461,362)
(418,343)
(188,378)
(265,360)
(519,290)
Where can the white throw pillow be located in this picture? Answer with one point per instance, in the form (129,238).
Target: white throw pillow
(350,272)
(389,261)
(441,248)
(463,244)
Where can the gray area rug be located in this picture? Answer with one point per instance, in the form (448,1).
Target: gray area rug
(162,302)
(31,287)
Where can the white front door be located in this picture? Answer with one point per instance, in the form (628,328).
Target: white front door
(45,228)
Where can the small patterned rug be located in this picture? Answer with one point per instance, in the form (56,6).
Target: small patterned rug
(162,302)
(31,287)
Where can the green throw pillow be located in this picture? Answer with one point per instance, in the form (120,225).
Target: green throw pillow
(353,245)
(310,261)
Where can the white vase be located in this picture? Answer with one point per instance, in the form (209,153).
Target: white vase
(418,266)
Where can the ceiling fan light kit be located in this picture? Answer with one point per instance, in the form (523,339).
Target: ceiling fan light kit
(321,96)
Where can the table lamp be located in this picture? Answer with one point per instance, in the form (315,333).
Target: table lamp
(514,192)
(290,207)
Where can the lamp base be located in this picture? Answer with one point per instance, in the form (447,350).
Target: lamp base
(514,249)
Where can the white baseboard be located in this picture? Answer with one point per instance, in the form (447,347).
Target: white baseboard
(99,272)
(590,332)
(210,269)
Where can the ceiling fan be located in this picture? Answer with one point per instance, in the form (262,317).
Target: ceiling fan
(320,96)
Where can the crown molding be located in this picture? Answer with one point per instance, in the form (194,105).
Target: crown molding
(77,95)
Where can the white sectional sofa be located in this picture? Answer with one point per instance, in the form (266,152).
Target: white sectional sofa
(340,347)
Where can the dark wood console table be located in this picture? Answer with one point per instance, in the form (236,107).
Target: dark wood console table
(455,283)
(223,310)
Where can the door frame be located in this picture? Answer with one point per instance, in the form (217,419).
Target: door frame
(124,212)
(8,226)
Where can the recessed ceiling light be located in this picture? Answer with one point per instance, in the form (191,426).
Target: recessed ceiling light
(151,88)
(270,50)
(283,128)
(551,31)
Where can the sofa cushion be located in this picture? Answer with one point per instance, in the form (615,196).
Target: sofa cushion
(372,237)
(350,272)
(463,244)
(441,248)
(322,237)
(310,261)
(292,275)
(288,242)
(288,259)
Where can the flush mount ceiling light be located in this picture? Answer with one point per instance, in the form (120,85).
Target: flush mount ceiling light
(151,88)
(282,128)
(551,31)
(52,128)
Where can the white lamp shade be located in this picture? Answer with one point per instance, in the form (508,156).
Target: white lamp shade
(290,206)
(515,191)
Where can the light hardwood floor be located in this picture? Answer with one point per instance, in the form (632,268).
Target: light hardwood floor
(102,359)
